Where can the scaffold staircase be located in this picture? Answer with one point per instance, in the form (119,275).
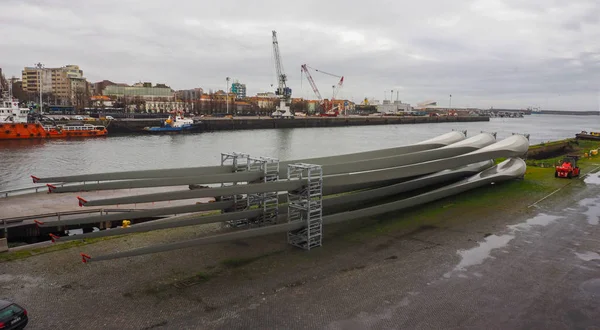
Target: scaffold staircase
(306,204)
(268,201)
(238,161)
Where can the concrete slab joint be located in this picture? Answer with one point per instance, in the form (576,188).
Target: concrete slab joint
(305,204)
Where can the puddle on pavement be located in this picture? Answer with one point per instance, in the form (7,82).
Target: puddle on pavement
(592,211)
(541,219)
(592,286)
(477,255)
(588,256)
(593,178)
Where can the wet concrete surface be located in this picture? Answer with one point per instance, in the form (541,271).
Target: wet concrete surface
(536,269)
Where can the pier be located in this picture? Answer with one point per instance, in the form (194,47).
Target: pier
(244,123)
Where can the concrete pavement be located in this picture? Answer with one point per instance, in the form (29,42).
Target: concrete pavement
(527,268)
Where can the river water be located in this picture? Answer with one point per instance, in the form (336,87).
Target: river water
(20,159)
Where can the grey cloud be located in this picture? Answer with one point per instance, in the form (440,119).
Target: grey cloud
(513,53)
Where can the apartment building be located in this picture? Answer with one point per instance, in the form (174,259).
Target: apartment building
(239,90)
(65,84)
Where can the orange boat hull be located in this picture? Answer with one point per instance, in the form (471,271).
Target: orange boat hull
(10,131)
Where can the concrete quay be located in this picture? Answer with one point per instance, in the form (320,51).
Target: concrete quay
(506,266)
(125,126)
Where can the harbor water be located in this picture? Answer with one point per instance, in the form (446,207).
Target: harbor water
(20,159)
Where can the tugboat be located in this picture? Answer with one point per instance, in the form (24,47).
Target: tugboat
(21,123)
(594,136)
(176,123)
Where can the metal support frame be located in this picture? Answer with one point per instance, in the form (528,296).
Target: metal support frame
(268,200)
(235,159)
(306,204)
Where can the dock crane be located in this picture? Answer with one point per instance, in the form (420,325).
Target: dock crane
(327,106)
(283,92)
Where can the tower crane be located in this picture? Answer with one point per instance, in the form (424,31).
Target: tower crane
(283,92)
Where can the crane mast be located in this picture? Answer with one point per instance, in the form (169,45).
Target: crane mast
(282,90)
(304,69)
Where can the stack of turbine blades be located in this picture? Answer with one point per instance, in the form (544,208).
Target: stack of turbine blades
(515,145)
(508,169)
(437,142)
(343,202)
(362,165)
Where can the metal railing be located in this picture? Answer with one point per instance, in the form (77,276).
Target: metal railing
(64,213)
(36,189)
(22,191)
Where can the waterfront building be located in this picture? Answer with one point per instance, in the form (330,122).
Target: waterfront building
(142,91)
(63,85)
(239,90)
(167,106)
(98,87)
(266,100)
(393,107)
(188,95)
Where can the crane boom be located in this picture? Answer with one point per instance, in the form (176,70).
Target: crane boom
(337,88)
(282,90)
(327,73)
(304,68)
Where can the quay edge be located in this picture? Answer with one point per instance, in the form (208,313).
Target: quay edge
(125,126)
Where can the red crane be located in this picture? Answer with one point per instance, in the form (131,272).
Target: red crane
(304,69)
(328,106)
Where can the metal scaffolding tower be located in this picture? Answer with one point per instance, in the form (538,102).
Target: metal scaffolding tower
(306,204)
(267,201)
(238,160)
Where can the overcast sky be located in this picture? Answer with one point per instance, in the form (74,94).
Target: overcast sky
(501,53)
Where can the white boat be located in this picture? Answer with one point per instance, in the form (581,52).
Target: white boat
(10,112)
(174,124)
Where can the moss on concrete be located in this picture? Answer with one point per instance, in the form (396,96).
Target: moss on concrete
(20,254)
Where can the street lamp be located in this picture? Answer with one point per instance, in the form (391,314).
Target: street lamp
(450,105)
(227,94)
(40,66)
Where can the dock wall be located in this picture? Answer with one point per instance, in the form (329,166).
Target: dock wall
(241,123)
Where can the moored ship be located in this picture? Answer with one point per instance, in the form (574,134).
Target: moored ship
(20,123)
(176,123)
